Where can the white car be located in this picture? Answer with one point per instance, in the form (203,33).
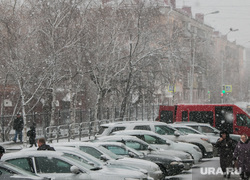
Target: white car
(160,141)
(200,140)
(83,157)
(142,146)
(57,166)
(208,130)
(102,153)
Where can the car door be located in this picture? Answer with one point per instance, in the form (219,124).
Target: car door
(25,163)
(57,169)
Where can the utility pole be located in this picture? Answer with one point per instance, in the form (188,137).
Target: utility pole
(192,68)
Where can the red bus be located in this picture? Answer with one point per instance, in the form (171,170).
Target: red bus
(221,116)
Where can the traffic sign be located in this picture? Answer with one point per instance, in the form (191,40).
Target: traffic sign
(171,88)
(228,88)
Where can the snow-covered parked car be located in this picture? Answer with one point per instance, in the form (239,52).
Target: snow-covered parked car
(147,149)
(163,129)
(210,131)
(57,166)
(160,141)
(102,153)
(168,167)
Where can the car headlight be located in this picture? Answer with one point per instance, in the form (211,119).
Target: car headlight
(205,139)
(197,149)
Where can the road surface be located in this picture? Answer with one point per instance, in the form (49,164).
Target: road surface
(207,169)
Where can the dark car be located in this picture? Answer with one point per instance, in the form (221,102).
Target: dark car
(169,165)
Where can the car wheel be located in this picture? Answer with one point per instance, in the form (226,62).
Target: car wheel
(201,148)
(163,169)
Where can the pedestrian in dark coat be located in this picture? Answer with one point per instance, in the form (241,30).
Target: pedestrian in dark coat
(32,135)
(2,151)
(18,127)
(242,155)
(226,147)
(43,146)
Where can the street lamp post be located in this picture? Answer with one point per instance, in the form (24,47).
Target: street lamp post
(222,63)
(192,62)
(214,12)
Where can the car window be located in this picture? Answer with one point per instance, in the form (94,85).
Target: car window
(52,165)
(117,129)
(161,129)
(136,145)
(154,140)
(116,149)
(195,127)
(24,163)
(187,130)
(147,128)
(91,151)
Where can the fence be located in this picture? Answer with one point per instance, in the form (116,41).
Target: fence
(85,125)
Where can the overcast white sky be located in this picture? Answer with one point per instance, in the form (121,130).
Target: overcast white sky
(233,14)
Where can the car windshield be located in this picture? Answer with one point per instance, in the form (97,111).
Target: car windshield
(209,129)
(78,160)
(135,151)
(101,129)
(187,130)
(109,153)
(165,130)
(85,160)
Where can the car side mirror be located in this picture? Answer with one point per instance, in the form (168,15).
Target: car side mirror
(91,163)
(103,158)
(132,155)
(176,133)
(150,149)
(167,143)
(75,170)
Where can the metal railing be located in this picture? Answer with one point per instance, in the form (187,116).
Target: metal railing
(86,130)
(85,125)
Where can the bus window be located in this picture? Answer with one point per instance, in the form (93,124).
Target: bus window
(184,116)
(201,116)
(224,118)
(242,120)
(167,116)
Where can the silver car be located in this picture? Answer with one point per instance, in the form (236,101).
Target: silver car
(160,141)
(102,153)
(58,166)
(142,146)
(163,129)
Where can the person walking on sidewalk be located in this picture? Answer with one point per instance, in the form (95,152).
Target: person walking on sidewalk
(242,156)
(43,146)
(18,127)
(226,148)
(32,135)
